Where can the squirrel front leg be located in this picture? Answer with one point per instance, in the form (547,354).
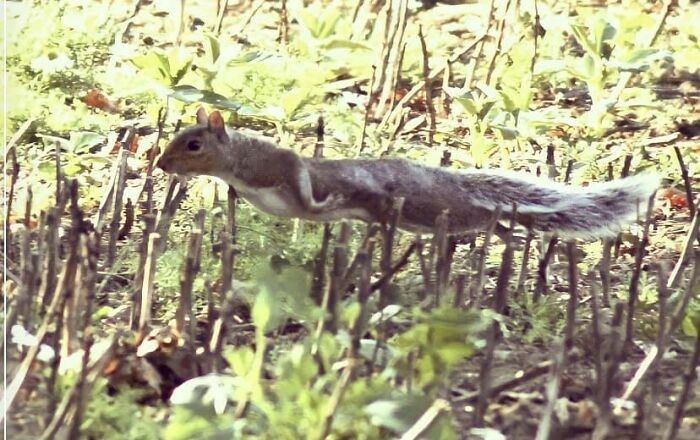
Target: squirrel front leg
(304,190)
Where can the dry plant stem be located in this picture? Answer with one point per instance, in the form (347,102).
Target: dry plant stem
(396,111)
(460,283)
(221,12)
(478,285)
(610,368)
(477,56)
(686,180)
(392,53)
(397,76)
(385,263)
(340,267)
(106,201)
(59,175)
(541,287)
(336,398)
(522,377)
(149,273)
(181,23)
(81,398)
(231,213)
(604,270)
(402,261)
(284,24)
(368,108)
(522,277)
(634,281)
(218,333)
(651,361)
(499,42)
(544,428)
(688,379)
(49,237)
(442,250)
(165,215)
(117,209)
(426,420)
(148,184)
(355,265)
(693,233)
(365,263)
(66,279)
(597,341)
(320,135)
(573,296)
(428,87)
(24,299)
(493,335)
(691,291)
(185,309)
(14,174)
(319,279)
(535,36)
(142,249)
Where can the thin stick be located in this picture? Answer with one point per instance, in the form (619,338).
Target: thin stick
(478,285)
(499,42)
(148,281)
(688,379)
(428,87)
(370,100)
(693,233)
(634,281)
(390,116)
(686,180)
(426,420)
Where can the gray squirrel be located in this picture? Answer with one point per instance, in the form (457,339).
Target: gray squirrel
(282,183)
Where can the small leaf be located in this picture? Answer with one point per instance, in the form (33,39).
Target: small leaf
(580,35)
(186,93)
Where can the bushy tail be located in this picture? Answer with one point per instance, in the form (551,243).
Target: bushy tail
(598,210)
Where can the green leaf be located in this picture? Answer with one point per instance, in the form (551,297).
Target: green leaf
(262,310)
(186,93)
(602,33)
(214,47)
(240,359)
(580,35)
(83,141)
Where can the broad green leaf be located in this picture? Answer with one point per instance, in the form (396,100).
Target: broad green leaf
(186,93)
(602,33)
(83,141)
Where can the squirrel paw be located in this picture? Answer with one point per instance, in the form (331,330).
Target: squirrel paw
(331,202)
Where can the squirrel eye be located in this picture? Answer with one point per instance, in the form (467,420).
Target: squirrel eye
(193,145)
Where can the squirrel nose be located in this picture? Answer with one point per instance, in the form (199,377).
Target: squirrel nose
(162,164)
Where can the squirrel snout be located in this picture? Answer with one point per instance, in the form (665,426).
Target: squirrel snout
(162,164)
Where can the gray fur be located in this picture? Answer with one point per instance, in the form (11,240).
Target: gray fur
(279,181)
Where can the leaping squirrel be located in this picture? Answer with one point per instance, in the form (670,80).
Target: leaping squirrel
(280,182)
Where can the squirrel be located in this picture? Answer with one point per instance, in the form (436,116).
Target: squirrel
(280,182)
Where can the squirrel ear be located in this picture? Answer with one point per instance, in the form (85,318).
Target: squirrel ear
(216,123)
(201,116)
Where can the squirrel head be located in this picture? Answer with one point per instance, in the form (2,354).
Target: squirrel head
(202,149)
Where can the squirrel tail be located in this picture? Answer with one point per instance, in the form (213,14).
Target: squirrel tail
(598,210)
